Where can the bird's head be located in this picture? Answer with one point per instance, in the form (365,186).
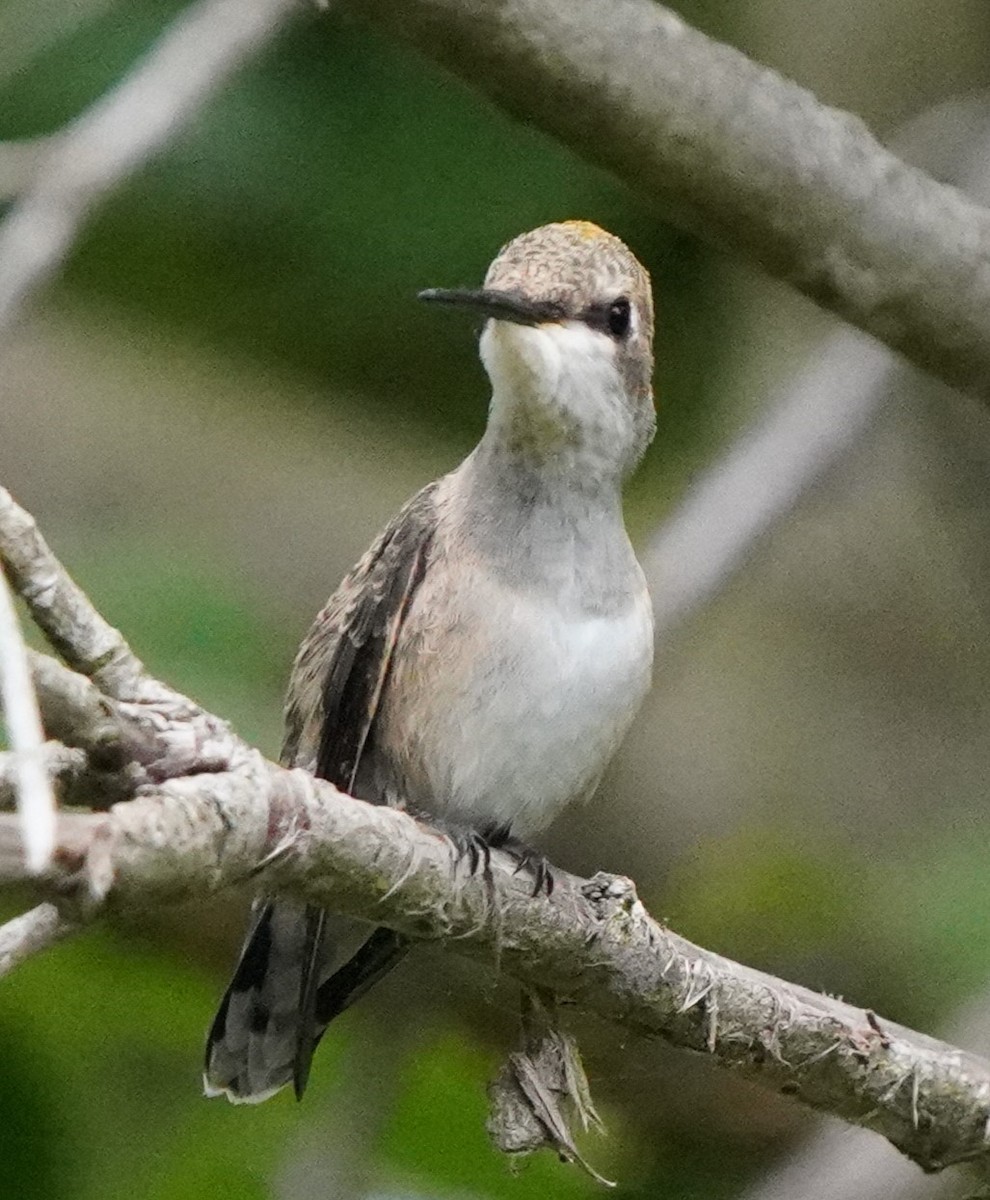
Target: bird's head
(568,346)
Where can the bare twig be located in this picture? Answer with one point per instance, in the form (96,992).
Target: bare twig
(122,130)
(62,611)
(27,934)
(114,735)
(35,800)
(736,153)
(62,767)
(763,474)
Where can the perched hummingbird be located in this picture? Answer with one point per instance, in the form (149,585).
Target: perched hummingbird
(483,661)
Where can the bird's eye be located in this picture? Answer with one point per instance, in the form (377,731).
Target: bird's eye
(618,317)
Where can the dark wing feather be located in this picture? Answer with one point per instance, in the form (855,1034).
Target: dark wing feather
(337,683)
(342,666)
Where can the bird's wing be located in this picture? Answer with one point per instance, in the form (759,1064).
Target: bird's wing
(342,667)
(267,1026)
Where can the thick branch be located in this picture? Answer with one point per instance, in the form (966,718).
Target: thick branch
(736,153)
(592,941)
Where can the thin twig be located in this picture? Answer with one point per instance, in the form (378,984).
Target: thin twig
(740,497)
(62,766)
(29,933)
(122,130)
(62,610)
(35,800)
(115,736)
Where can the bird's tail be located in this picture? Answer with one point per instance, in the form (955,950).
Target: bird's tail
(285,991)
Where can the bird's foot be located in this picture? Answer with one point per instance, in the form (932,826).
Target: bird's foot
(475,846)
(470,846)
(531,861)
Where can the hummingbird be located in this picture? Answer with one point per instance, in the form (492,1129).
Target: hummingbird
(483,661)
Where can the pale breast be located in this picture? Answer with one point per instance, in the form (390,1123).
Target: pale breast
(505,706)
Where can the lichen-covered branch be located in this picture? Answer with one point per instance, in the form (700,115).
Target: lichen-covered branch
(743,157)
(592,942)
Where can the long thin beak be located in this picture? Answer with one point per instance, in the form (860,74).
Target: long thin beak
(503,306)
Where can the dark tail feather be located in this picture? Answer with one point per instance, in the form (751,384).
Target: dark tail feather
(379,954)
(283,996)
(307,1037)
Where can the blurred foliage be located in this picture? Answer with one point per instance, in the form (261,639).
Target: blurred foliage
(202,632)
(292,224)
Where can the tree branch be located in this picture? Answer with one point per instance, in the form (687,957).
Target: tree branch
(220,814)
(19,164)
(731,150)
(28,934)
(592,942)
(66,770)
(62,611)
(837,1163)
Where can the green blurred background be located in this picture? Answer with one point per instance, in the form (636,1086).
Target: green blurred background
(232,386)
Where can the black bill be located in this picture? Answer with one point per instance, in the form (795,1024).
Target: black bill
(502,306)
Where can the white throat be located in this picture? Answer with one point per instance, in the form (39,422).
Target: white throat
(558,399)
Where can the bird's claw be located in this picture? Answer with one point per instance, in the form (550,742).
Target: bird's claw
(529,860)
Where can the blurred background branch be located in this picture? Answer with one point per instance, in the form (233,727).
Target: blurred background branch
(19,163)
(32,931)
(98,149)
(821,414)
(739,155)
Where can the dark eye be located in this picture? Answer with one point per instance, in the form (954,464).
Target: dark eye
(618,317)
